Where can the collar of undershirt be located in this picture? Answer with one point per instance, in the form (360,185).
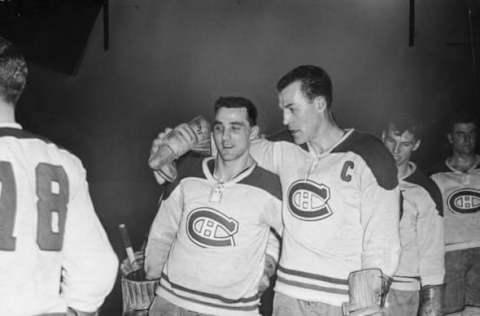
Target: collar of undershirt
(208,166)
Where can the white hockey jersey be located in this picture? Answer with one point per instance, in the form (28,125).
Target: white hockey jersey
(208,240)
(421,233)
(54,252)
(340,211)
(461,204)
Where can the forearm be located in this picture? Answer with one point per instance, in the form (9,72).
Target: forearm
(162,233)
(156,255)
(431,248)
(273,246)
(381,243)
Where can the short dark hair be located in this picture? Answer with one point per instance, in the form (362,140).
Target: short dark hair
(404,122)
(462,115)
(13,72)
(314,82)
(238,102)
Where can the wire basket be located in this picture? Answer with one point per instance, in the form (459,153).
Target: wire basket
(137,292)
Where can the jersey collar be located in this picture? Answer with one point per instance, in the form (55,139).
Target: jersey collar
(207,166)
(346,134)
(474,166)
(10,125)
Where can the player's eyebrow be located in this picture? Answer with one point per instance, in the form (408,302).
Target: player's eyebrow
(236,123)
(286,106)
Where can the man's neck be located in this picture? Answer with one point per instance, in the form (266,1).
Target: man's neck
(7,112)
(403,170)
(225,171)
(327,136)
(462,162)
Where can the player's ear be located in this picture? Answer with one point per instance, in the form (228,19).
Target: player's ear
(254,132)
(450,138)
(417,144)
(320,103)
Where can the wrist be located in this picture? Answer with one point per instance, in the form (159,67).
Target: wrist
(270,266)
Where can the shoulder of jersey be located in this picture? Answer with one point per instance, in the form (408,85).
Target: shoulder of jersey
(189,165)
(419,178)
(439,167)
(375,155)
(284,136)
(21,134)
(264,180)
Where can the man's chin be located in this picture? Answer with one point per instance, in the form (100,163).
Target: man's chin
(467,151)
(228,156)
(297,139)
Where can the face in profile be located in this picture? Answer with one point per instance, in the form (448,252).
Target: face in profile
(463,138)
(300,115)
(400,144)
(232,133)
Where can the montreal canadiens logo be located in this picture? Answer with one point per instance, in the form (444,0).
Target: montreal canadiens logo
(464,201)
(309,200)
(208,228)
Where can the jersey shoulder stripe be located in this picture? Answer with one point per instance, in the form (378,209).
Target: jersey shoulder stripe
(282,135)
(420,179)
(285,136)
(21,134)
(375,154)
(265,180)
(189,165)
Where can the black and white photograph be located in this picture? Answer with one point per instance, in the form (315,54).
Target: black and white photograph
(239,158)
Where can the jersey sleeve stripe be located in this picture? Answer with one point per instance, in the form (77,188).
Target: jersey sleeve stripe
(312,286)
(201,300)
(313,276)
(166,281)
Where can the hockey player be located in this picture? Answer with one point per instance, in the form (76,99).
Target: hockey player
(458,178)
(342,208)
(419,277)
(55,258)
(210,242)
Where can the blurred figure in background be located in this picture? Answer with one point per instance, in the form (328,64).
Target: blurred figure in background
(458,178)
(418,282)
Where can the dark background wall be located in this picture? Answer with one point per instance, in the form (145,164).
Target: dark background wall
(169,60)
